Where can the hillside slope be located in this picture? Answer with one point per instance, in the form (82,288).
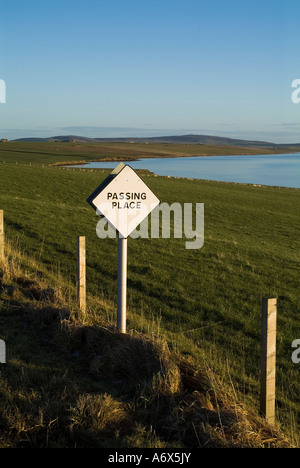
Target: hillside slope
(74,381)
(198,313)
(191,139)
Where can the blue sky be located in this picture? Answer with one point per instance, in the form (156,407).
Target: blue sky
(150,67)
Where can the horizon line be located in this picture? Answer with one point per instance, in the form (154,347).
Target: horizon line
(182,135)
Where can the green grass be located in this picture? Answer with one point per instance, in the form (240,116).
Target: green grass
(203,301)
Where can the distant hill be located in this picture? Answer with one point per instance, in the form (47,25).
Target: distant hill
(180,139)
(196,140)
(63,138)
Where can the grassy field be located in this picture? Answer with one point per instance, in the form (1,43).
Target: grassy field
(58,152)
(205,303)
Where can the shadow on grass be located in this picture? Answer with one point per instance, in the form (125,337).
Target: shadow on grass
(69,385)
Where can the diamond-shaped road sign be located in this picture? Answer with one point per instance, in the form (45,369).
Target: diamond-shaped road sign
(123,199)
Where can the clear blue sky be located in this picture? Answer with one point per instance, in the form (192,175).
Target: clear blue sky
(150,67)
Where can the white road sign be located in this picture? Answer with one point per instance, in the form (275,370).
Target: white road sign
(124,200)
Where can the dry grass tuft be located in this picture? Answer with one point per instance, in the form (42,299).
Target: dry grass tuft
(96,416)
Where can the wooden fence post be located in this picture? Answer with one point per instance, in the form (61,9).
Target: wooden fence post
(81,273)
(268,359)
(1,239)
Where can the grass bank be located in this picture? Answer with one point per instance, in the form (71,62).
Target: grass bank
(73,381)
(203,305)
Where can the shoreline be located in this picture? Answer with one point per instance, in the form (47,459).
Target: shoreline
(131,159)
(147,172)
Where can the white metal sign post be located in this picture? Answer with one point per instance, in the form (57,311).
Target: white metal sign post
(122,284)
(124,200)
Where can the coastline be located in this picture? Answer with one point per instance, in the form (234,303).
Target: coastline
(148,172)
(159,156)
